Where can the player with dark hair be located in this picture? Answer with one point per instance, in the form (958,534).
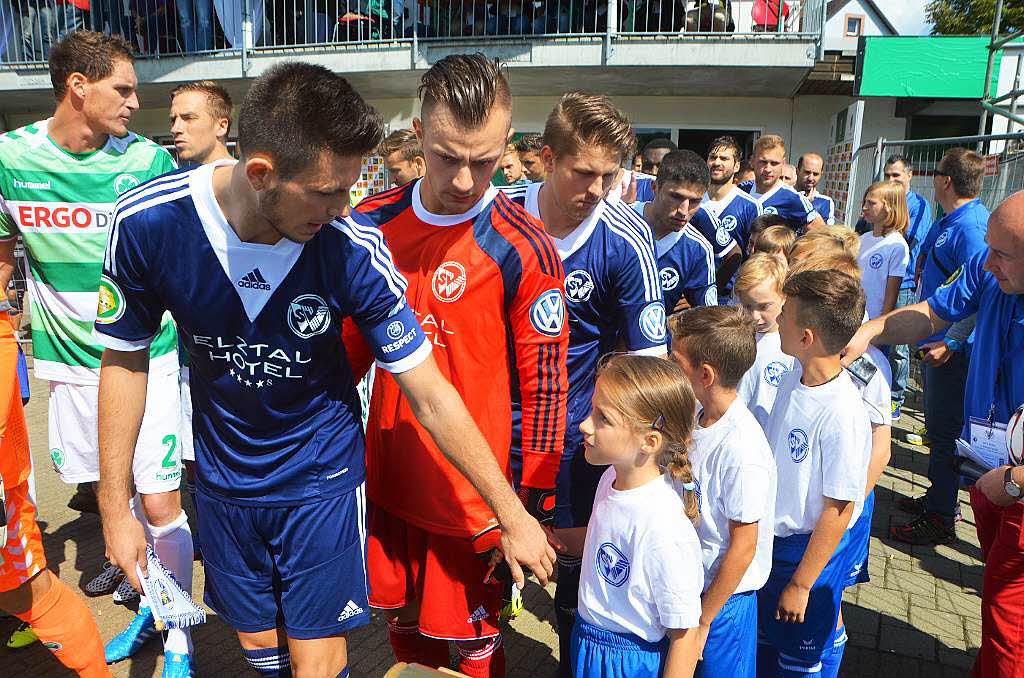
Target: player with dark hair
(653,152)
(529,146)
(260,261)
(486,283)
(733,207)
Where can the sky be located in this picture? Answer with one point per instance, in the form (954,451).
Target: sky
(906,15)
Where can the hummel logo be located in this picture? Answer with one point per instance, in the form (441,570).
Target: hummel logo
(350,610)
(254,280)
(478,614)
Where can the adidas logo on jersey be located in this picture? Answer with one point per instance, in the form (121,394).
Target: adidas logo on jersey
(350,610)
(253,280)
(478,614)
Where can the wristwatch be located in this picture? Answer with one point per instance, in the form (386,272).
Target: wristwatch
(953,344)
(1011,488)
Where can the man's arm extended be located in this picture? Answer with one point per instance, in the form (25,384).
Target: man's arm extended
(905,325)
(122,402)
(824,539)
(440,410)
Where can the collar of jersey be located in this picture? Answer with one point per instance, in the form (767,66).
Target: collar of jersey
(669,241)
(118,143)
(771,191)
(428,217)
(727,200)
(576,237)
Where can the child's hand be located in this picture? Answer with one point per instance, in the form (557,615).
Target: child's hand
(792,604)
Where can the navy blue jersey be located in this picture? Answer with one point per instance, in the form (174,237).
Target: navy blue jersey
(825,207)
(275,412)
(736,211)
(687,266)
(612,293)
(644,187)
(783,200)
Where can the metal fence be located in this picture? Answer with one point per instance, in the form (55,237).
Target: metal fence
(1004,165)
(28,28)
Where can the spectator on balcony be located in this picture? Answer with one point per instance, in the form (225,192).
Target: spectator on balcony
(661,16)
(109,16)
(765,15)
(45,23)
(529,146)
(195,19)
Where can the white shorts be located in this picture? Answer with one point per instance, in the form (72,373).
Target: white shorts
(73,442)
(188,452)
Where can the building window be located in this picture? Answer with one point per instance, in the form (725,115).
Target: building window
(854,23)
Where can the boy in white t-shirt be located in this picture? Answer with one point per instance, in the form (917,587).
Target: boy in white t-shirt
(758,288)
(735,476)
(821,439)
(884,255)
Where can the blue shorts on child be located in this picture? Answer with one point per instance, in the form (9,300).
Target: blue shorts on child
(860,538)
(800,646)
(597,652)
(731,648)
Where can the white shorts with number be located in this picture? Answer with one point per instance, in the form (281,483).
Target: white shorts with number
(73,443)
(188,452)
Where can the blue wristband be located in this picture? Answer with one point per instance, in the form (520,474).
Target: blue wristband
(953,344)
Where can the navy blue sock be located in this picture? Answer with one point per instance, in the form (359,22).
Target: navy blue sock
(271,662)
(833,657)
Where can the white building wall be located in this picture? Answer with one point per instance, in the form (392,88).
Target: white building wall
(835,28)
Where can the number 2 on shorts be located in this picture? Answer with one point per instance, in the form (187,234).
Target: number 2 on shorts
(171,441)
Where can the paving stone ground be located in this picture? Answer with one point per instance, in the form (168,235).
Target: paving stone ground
(919,616)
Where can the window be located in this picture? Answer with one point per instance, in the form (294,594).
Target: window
(854,23)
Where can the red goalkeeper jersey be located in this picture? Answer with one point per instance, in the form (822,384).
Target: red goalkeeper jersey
(487,287)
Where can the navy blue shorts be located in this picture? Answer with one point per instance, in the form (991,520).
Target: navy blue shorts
(302,568)
(860,541)
(597,652)
(731,648)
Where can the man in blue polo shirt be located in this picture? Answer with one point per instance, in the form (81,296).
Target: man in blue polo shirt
(950,243)
(990,284)
(898,168)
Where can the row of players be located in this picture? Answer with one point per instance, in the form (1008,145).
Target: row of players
(465,274)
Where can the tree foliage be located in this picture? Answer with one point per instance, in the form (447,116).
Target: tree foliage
(973,17)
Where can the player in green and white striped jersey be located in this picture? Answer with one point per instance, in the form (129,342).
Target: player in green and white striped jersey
(59,181)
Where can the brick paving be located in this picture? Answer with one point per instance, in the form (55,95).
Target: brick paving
(919,616)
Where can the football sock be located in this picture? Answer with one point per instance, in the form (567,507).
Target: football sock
(833,657)
(270,662)
(172,544)
(482,661)
(409,645)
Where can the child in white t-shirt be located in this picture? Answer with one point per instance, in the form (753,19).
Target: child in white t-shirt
(735,476)
(639,597)
(884,255)
(758,288)
(821,440)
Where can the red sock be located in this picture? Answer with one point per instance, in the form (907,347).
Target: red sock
(482,661)
(409,645)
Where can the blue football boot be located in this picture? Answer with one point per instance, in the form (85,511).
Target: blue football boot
(177,665)
(129,641)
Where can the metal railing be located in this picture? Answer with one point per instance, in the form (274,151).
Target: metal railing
(28,28)
(1004,165)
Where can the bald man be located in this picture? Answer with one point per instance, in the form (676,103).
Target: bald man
(808,174)
(989,284)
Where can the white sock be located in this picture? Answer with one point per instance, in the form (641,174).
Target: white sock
(143,602)
(172,544)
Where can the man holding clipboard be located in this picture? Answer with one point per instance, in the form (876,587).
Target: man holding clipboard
(991,284)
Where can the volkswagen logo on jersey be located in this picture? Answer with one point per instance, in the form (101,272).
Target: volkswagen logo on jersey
(652,322)
(449,281)
(711,296)
(308,316)
(770,210)
(396,329)
(669,278)
(729,223)
(798,446)
(612,564)
(876,260)
(125,182)
(578,286)
(548,313)
(722,236)
(773,372)
(941,240)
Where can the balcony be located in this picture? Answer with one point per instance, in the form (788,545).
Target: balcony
(619,47)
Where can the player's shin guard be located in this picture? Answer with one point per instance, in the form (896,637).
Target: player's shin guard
(833,657)
(409,645)
(63,624)
(172,543)
(485,660)
(271,662)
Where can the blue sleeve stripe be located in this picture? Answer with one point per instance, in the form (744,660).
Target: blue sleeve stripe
(643,249)
(709,254)
(372,240)
(109,260)
(515,193)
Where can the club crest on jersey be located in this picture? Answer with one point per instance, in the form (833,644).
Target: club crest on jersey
(578,286)
(652,322)
(308,316)
(110,307)
(449,281)
(941,240)
(669,278)
(729,223)
(770,210)
(876,260)
(773,373)
(395,329)
(612,564)
(722,236)
(711,296)
(798,445)
(548,313)
(125,182)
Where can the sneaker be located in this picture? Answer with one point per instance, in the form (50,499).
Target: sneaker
(918,437)
(125,593)
(925,530)
(897,410)
(129,641)
(106,581)
(177,665)
(913,505)
(23,636)
(84,500)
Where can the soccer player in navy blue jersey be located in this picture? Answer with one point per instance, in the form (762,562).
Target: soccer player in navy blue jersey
(773,195)
(259,262)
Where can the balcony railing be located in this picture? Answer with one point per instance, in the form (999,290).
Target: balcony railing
(161,28)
